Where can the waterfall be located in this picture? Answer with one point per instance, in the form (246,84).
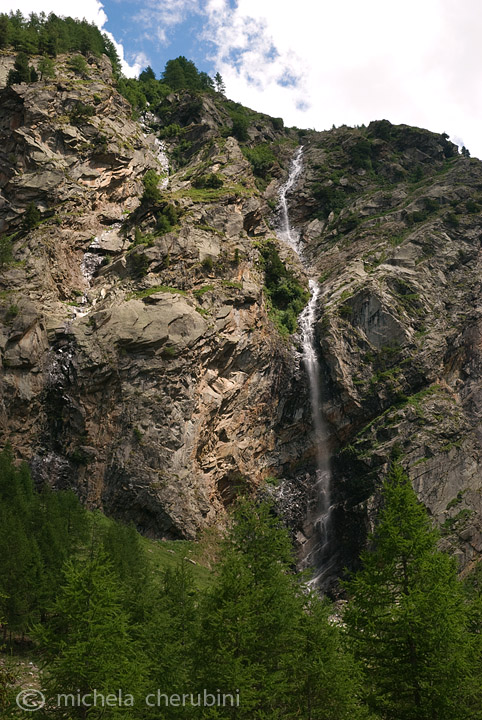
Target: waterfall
(316,550)
(286,232)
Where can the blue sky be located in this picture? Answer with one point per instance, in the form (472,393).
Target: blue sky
(314,62)
(128,21)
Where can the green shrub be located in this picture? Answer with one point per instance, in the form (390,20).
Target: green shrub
(6,254)
(151,193)
(452,219)
(78,65)
(416,217)
(100,144)
(240,126)
(32,217)
(381,129)
(167,219)
(431,205)
(261,158)
(417,174)
(21,72)
(169,352)
(207,264)
(349,223)
(170,131)
(81,112)
(180,152)
(141,239)
(12,312)
(46,68)
(360,154)
(330,197)
(212,181)
(287,297)
(278,123)
(139,265)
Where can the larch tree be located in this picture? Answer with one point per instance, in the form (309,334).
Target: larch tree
(406,616)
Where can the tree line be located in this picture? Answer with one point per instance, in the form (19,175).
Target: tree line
(404,646)
(50,35)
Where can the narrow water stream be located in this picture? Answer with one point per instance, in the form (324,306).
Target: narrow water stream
(316,551)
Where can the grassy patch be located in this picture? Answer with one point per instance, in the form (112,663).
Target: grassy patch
(232,284)
(202,290)
(140,294)
(213,194)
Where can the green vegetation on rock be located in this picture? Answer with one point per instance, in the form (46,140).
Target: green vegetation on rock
(286,296)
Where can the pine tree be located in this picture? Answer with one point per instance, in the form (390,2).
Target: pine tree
(31,217)
(327,682)
(4,29)
(170,635)
(46,68)
(174,76)
(406,618)
(122,545)
(147,74)
(60,528)
(249,618)
(7,680)
(219,83)
(20,560)
(87,644)
(263,635)
(6,254)
(21,72)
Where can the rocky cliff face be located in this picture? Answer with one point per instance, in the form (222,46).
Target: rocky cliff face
(140,364)
(391,218)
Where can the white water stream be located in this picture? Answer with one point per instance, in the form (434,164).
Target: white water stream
(316,550)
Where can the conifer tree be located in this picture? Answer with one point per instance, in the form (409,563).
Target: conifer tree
(261,633)
(122,545)
(32,217)
(46,68)
(21,72)
(170,637)
(4,26)
(219,83)
(249,617)
(327,680)
(87,644)
(20,561)
(406,618)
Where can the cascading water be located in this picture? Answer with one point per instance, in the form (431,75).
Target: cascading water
(316,549)
(286,232)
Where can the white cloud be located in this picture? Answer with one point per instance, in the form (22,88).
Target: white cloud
(416,63)
(139,61)
(161,16)
(91,10)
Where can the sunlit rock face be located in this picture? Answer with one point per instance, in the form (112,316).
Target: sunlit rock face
(139,363)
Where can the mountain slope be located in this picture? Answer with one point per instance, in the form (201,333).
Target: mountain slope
(147,358)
